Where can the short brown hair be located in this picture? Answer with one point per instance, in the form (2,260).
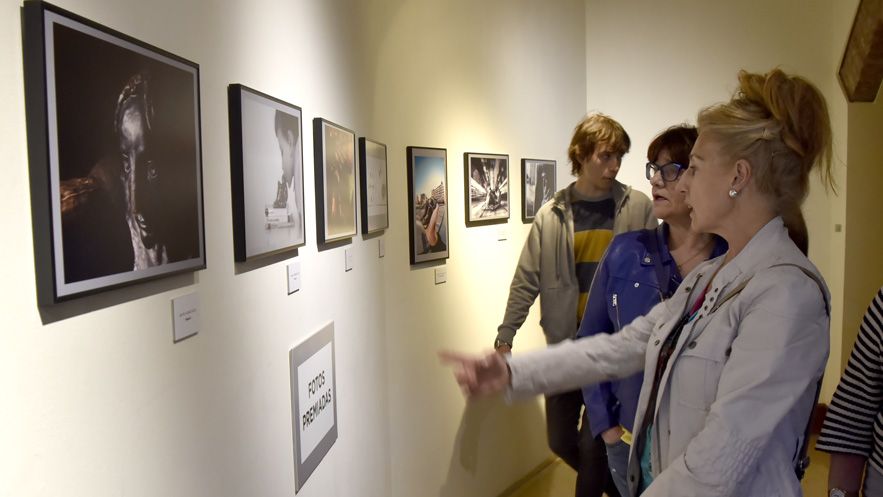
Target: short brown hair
(593,130)
(678,140)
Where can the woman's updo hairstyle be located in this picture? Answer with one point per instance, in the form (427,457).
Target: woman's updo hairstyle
(780,124)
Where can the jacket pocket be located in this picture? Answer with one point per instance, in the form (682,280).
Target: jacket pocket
(697,372)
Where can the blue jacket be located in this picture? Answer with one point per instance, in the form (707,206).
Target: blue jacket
(627,285)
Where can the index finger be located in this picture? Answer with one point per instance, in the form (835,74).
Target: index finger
(449,357)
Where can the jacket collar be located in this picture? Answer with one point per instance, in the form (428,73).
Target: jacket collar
(756,254)
(661,234)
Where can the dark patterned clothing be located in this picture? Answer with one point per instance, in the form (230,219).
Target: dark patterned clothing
(592,233)
(854,423)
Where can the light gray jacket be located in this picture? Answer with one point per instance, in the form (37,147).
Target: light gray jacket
(735,397)
(546,266)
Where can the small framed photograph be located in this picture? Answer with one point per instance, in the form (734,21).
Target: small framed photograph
(537,186)
(487,188)
(335,164)
(373,184)
(266,172)
(313,402)
(428,203)
(115,156)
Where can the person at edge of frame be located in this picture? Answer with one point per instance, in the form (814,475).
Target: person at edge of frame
(568,236)
(853,428)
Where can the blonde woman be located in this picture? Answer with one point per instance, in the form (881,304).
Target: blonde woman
(731,361)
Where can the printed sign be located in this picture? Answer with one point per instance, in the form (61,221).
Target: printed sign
(314,402)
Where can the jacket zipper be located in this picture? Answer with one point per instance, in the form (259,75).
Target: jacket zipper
(616,306)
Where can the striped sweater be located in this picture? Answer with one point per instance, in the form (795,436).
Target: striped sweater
(854,423)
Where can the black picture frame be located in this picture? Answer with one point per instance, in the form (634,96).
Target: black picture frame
(535,171)
(266,173)
(486,184)
(115,156)
(428,199)
(335,176)
(374,186)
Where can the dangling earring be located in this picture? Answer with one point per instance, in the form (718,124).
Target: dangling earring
(733,193)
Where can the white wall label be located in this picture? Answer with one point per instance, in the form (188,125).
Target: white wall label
(441,275)
(313,402)
(293,277)
(381,248)
(348,259)
(502,233)
(185,312)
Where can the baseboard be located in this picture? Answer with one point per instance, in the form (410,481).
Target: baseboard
(515,487)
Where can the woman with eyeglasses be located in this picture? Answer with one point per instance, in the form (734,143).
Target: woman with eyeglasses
(733,359)
(640,269)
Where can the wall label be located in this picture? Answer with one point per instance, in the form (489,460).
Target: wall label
(185,316)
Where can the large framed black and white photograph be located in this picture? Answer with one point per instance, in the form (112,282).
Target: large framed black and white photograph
(428,204)
(487,188)
(266,171)
(115,156)
(373,186)
(313,402)
(537,186)
(335,166)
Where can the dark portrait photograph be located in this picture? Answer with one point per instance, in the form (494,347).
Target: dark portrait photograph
(487,187)
(266,144)
(537,185)
(373,184)
(335,164)
(428,203)
(124,158)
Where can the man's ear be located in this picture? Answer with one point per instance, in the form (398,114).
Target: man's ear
(742,173)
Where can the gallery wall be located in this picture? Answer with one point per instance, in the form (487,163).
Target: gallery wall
(503,77)
(97,399)
(673,58)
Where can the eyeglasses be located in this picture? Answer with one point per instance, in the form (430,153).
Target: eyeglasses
(670,172)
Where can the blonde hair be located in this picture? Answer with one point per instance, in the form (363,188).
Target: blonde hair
(595,129)
(778,123)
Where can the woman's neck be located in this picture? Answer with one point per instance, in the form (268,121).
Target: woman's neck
(688,248)
(681,237)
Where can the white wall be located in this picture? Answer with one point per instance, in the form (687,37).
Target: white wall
(102,402)
(497,77)
(654,64)
(97,400)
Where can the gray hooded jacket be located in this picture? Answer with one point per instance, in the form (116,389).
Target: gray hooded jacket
(546,266)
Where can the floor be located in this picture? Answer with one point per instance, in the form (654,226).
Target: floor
(557,479)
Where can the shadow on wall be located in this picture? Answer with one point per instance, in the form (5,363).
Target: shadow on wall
(475,468)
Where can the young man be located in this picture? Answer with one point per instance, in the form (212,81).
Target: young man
(566,242)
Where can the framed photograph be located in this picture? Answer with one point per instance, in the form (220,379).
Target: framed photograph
(115,156)
(537,186)
(373,184)
(266,172)
(487,188)
(313,402)
(335,163)
(428,203)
